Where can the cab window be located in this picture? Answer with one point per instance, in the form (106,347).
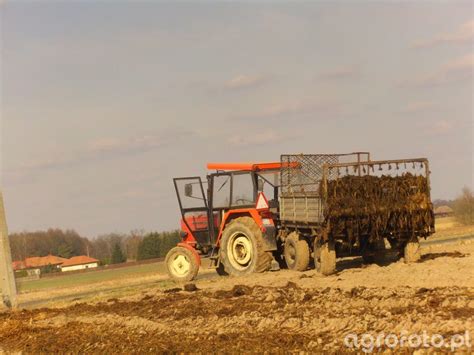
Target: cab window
(243,189)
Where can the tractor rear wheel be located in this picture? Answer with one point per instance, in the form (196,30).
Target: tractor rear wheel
(296,252)
(324,256)
(181,264)
(242,248)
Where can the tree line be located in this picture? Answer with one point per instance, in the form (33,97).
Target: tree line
(109,248)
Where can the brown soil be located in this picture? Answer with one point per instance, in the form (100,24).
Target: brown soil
(284,311)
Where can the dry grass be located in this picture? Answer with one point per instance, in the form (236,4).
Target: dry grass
(447,227)
(97,285)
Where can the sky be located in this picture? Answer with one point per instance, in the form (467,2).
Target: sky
(103,103)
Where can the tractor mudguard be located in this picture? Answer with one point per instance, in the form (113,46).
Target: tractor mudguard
(269,238)
(193,250)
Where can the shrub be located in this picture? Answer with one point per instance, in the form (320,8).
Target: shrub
(21,273)
(464,207)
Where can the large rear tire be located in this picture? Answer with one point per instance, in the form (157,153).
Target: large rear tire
(242,248)
(324,256)
(181,264)
(296,252)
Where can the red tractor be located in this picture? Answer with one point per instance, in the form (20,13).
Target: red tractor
(231,220)
(253,217)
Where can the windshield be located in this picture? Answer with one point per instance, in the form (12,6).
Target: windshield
(243,189)
(270,177)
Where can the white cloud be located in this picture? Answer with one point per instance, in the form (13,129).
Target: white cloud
(263,137)
(114,145)
(103,148)
(463,34)
(42,164)
(339,73)
(441,127)
(417,106)
(290,109)
(457,70)
(463,63)
(245,81)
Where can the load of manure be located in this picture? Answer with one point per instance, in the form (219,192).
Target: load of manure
(379,206)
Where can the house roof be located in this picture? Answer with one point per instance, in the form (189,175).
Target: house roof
(40,261)
(443,210)
(79,260)
(18,265)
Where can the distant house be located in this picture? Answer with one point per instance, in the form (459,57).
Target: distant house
(36,264)
(79,263)
(443,211)
(39,262)
(18,265)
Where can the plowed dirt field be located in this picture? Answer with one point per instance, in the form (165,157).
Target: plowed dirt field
(282,311)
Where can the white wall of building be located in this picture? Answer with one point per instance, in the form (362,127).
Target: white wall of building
(79,267)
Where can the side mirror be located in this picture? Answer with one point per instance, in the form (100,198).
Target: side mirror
(260,184)
(188,190)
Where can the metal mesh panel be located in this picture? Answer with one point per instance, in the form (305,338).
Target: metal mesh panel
(302,173)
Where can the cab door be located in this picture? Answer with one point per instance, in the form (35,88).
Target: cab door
(194,207)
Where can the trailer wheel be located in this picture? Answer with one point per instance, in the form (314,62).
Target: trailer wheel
(181,264)
(296,252)
(412,252)
(242,248)
(324,256)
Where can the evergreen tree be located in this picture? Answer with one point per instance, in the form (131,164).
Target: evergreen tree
(150,247)
(64,251)
(169,241)
(117,255)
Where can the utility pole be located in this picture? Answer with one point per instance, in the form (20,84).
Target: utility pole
(7,278)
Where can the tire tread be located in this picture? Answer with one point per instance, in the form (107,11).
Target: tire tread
(302,252)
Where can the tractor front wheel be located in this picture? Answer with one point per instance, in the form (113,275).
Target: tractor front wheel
(296,252)
(242,249)
(181,264)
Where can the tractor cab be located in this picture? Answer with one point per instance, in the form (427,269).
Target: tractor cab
(203,204)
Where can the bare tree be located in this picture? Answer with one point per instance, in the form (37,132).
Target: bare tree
(464,207)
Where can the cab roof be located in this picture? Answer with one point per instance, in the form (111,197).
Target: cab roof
(247,166)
